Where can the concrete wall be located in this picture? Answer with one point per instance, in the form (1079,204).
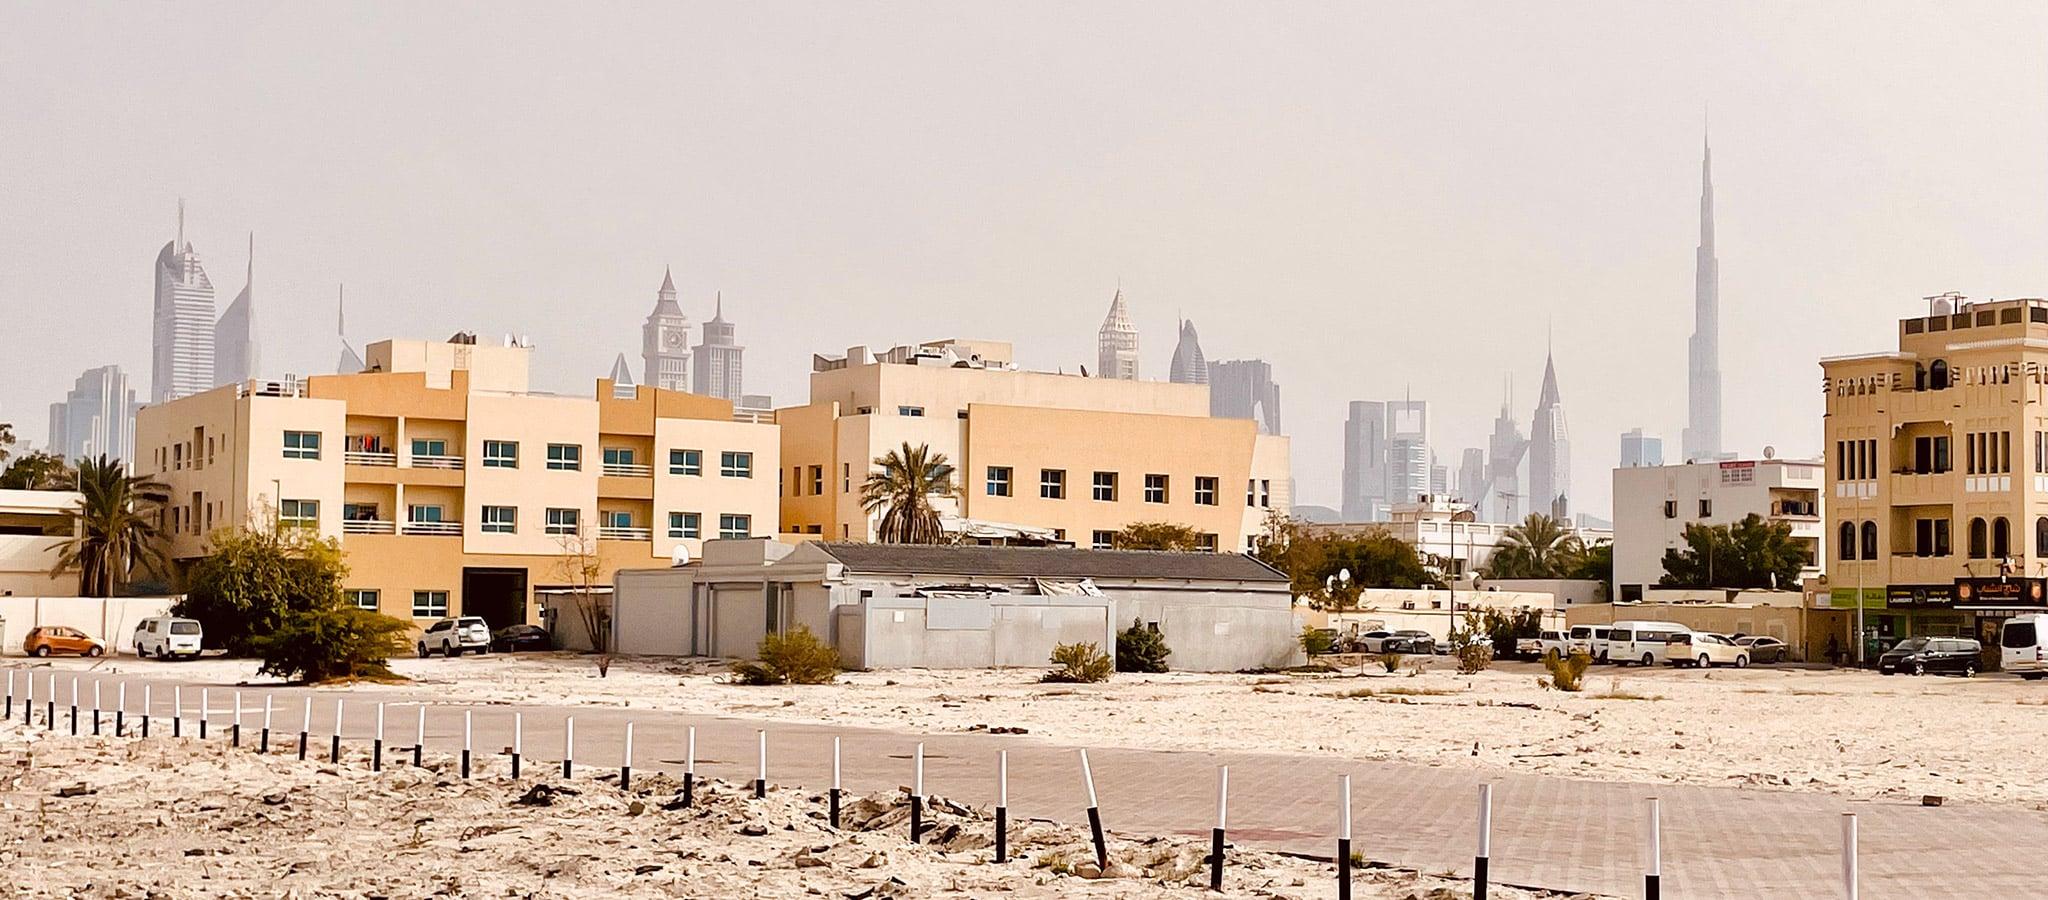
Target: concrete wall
(955,633)
(111,619)
(1216,631)
(1568,591)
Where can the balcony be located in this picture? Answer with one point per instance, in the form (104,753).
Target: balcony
(368,526)
(421,461)
(1923,489)
(1908,568)
(628,470)
(439,528)
(615,533)
(363,458)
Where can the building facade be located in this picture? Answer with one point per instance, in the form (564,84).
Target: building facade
(1639,449)
(452,488)
(97,417)
(1654,504)
(181,340)
(665,341)
(1702,438)
(1365,463)
(1078,457)
(1116,343)
(1550,451)
(235,357)
(33,526)
(1244,389)
(1408,452)
(716,368)
(1189,366)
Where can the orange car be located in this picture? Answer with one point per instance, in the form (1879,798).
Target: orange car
(60,639)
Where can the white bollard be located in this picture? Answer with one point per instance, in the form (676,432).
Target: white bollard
(205,712)
(419,738)
(334,752)
(1094,814)
(1850,876)
(1344,837)
(1002,806)
(761,771)
(177,707)
(306,727)
(832,811)
(465,742)
(690,769)
(377,742)
(518,740)
(1653,854)
(626,762)
(568,747)
(1222,824)
(1479,862)
(917,797)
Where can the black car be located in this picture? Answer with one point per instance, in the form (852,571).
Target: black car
(1413,641)
(1921,655)
(513,638)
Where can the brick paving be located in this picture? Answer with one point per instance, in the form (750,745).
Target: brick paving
(1551,832)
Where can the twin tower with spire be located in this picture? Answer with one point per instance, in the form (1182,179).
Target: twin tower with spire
(190,350)
(1116,348)
(714,366)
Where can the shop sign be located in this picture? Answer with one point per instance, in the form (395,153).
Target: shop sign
(1920,596)
(1975,592)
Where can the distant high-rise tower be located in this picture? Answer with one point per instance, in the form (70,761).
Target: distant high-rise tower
(1504,501)
(96,418)
(181,344)
(1189,366)
(1116,344)
(1702,437)
(234,336)
(1639,449)
(1244,389)
(1409,461)
(716,365)
(665,341)
(1365,463)
(350,362)
(1550,451)
(1472,476)
(622,379)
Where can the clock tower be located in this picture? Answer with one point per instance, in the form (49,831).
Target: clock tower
(665,341)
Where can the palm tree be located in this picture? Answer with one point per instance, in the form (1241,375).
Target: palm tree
(1540,547)
(903,490)
(114,529)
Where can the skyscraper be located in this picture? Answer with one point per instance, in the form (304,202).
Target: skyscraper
(1550,451)
(716,367)
(96,418)
(1409,461)
(621,377)
(1639,449)
(1506,448)
(1189,366)
(1702,438)
(1365,462)
(234,336)
(1116,344)
(665,341)
(1472,476)
(1244,389)
(350,362)
(181,343)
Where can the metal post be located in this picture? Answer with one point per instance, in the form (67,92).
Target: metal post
(306,728)
(917,797)
(1094,815)
(236,729)
(626,762)
(204,712)
(267,710)
(1653,853)
(761,770)
(145,709)
(377,743)
(177,710)
(50,708)
(1002,806)
(120,707)
(419,738)
(1222,822)
(832,810)
(10,694)
(334,747)
(1850,875)
(518,726)
(95,706)
(1343,837)
(74,707)
(690,769)
(465,742)
(568,747)
(28,700)
(1485,842)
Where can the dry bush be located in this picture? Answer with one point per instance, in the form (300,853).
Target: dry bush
(1567,673)
(1079,664)
(793,657)
(1390,662)
(1474,658)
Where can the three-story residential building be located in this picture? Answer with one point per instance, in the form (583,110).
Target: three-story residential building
(1653,506)
(454,489)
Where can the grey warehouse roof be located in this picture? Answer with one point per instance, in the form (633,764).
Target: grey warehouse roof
(1047,562)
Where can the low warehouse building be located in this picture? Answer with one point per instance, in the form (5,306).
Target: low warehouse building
(895,605)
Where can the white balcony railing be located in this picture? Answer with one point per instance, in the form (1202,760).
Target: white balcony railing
(420,461)
(629,471)
(613,533)
(433,528)
(367,526)
(366,458)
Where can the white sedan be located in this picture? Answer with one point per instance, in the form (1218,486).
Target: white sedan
(1705,649)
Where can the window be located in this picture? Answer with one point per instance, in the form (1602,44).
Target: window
(1251,492)
(1105,486)
(1941,537)
(429,447)
(614,518)
(2001,538)
(501,519)
(424,512)
(796,475)
(1937,375)
(359,512)
(618,456)
(1844,536)
(302,445)
(2041,536)
(735,464)
(1869,540)
(1052,484)
(429,604)
(684,525)
(999,481)
(1205,490)
(501,454)
(732,526)
(686,462)
(817,480)
(1671,511)
(363,599)
(846,478)
(1266,493)
(1706,507)
(1155,489)
(562,521)
(1205,542)
(298,513)
(1102,540)
(565,457)
(910,411)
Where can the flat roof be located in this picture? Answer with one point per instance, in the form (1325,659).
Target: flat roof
(1047,562)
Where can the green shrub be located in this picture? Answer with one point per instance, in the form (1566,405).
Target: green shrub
(1568,673)
(1078,664)
(1316,641)
(333,643)
(793,657)
(1140,649)
(1390,661)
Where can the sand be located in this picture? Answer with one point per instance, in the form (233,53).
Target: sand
(1848,733)
(174,818)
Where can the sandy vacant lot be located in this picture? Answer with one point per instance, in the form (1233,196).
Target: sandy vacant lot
(1849,733)
(169,818)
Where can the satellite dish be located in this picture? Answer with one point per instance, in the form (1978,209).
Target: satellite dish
(680,556)
(1770,452)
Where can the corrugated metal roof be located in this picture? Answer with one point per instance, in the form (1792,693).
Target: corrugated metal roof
(1048,562)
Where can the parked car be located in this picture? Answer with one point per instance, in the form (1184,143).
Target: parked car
(1705,650)
(1764,649)
(1556,644)
(1374,641)
(1408,641)
(453,635)
(1590,639)
(514,638)
(49,639)
(1641,643)
(166,636)
(2020,648)
(1921,655)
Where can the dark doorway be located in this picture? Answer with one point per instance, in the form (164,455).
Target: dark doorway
(498,595)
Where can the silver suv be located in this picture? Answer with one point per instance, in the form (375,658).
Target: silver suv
(453,635)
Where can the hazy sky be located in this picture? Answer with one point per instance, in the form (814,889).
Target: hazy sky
(1370,196)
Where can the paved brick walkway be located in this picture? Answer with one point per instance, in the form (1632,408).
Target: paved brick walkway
(1549,832)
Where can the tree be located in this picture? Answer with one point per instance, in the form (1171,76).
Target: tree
(1311,558)
(254,578)
(579,565)
(1751,553)
(793,657)
(1596,564)
(1141,649)
(334,643)
(114,527)
(1540,547)
(6,440)
(1157,536)
(38,471)
(902,493)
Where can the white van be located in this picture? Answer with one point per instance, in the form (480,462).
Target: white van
(2023,646)
(165,637)
(1590,640)
(1643,643)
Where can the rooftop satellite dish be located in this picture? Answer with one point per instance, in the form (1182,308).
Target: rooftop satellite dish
(1770,452)
(680,556)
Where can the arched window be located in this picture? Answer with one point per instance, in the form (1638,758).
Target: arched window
(1847,538)
(1977,539)
(2001,538)
(1870,540)
(1937,375)
(2041,536)
(1919,377)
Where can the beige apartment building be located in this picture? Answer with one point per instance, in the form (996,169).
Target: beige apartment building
(1937,473)
(1065,457)
(453,488)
